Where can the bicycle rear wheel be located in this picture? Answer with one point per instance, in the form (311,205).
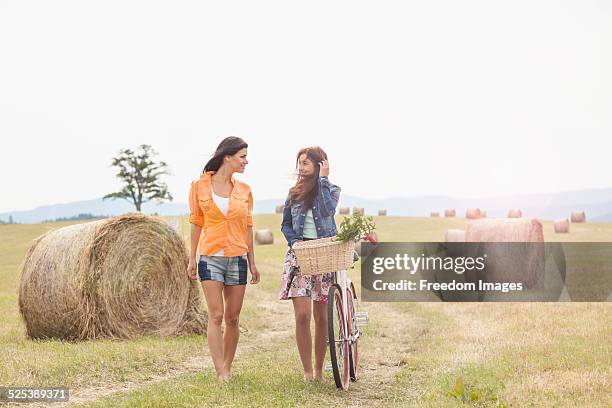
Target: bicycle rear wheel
(338,341)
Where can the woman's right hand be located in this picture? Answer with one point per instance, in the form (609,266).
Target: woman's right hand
(191,269)
(324,168)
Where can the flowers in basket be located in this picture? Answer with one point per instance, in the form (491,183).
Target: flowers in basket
(357,227)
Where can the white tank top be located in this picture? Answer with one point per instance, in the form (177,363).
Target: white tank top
(223,204)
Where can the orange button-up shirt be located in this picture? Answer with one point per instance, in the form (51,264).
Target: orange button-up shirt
(219,231)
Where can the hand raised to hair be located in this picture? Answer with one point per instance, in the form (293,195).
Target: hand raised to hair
(323,168)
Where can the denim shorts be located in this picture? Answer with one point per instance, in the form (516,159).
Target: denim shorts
(231,270)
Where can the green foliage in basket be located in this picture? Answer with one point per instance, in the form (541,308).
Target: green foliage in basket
(354,227)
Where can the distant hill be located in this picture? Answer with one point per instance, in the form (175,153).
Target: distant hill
(96,206)
(597,203)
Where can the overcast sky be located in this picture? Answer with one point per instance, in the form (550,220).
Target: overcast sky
(463,98)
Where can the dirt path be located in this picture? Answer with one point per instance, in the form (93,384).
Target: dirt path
(250,340)
(378,369)
(404,336)
(395,337)
(384,354)
(382,357)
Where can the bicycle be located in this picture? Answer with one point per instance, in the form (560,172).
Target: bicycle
(344,324)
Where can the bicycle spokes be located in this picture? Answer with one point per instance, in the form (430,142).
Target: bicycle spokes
(344,329)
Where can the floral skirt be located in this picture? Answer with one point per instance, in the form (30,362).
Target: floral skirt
(293,284)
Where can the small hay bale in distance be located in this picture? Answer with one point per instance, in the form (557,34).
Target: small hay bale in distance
(483,214)
(515,213)
(264,237)
(562,226)
(358,211)
(121,277)
(344,211)
(279,209)
(454,235)
(472,213)
(434,214)
(382,212)
(578,216)
(450,212)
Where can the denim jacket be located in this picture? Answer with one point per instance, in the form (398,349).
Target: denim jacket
(323,210)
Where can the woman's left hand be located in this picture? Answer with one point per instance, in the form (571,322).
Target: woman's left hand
(254,275)
(324,168)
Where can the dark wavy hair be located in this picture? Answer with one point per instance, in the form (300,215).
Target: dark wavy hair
(306,187)
(228,147)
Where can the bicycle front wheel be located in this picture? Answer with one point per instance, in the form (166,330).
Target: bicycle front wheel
(353,333)
(338,341)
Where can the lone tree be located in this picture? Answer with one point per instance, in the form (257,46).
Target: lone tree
(141,175)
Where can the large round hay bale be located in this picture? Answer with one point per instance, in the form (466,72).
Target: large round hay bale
(264,237)
(562,226)
(515,213)
(279,209)
(578,216)
(115,278)
(504,230)
(382,212)
(512,262)
(450,212)
(344,210)
(472,213)
(434,214)
(483,214)
(358,211)
(454,235)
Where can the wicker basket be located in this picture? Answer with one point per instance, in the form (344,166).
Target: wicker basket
(323,255)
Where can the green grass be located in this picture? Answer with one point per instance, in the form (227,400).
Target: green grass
(265,379)
(568,345)
(413,354)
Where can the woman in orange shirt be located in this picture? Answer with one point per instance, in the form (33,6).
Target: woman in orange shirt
(222,233)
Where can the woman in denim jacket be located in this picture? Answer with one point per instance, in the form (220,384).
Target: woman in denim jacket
(309,214)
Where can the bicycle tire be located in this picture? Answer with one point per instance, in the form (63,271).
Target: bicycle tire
(338,344)
(353,346)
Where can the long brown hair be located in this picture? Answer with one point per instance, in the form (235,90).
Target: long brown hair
(306,187)
(228,147)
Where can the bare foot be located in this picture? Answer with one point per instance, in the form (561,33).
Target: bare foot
(224,376)
(318,375)
(308,377)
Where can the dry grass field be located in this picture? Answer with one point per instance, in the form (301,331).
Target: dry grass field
(413,354)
